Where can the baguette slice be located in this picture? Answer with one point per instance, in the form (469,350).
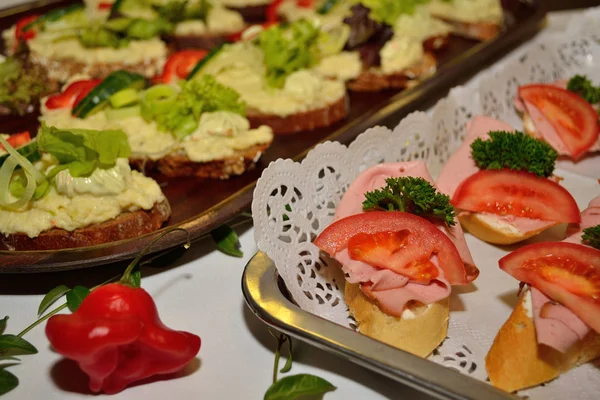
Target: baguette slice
(125,226)
(372,80)
(303,121)
(419,335)
(176,165)
(492,230)
(515,360)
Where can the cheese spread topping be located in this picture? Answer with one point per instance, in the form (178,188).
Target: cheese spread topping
(420,25)
(469,11)
(240,67)
(344,66)
(400,53)
(110,181)
(219,20)
(59,210)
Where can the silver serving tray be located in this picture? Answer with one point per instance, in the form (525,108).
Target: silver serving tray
(265,294)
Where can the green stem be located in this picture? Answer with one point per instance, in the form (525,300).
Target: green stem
(127,274)
(42,319)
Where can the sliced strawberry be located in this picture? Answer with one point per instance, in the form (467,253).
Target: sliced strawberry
(517,193)
(72,95)
(17,140)
(568,273)
(573,118)
(392,250)
(423,239)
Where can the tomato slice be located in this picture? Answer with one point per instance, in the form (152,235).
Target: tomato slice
(180,64)
(72,95)
(568,273)
(573,118)
(17,140)
(517,193)
(423,239)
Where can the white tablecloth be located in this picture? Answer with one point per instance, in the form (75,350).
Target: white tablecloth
(200,292)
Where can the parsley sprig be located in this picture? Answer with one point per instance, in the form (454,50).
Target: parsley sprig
(516,151)
(591,236)
(413,195)
(581,85)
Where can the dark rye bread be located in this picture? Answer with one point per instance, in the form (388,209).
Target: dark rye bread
(303,121)
(176,165)
(204,42)
(372,80)
(253,14)
(126,225)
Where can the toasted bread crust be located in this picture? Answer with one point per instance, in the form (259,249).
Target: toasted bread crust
(372,80)
(179,165)
(61,70)
(125,226)
(481,31)
(303,121)
(515,360)
(419,335)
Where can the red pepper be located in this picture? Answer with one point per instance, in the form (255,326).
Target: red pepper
(105,5)
(17,140)
(72,95)
(235,37)
(272,13)
(305,3)
(24,35)
(117,338)
(180,64)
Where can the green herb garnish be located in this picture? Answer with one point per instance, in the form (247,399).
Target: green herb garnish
(585,88)
(288,49)
(591,236)
(180,10)
(413,195)
(516,151)
(21,85)
(387,11)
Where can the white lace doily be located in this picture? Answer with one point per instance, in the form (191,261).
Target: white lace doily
(293,202)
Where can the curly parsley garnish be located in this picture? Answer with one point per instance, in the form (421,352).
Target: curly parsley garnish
(591,236)
(413,195)
(585,88)
(515,151)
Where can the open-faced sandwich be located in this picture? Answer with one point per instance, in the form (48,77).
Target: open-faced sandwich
(564,114)
(395,41)
(275,75)
(73,188)
(556,323)
(253,11)
(67,42)
(194,128)
(475,19)
(499,181)
(401,250)
(22,85)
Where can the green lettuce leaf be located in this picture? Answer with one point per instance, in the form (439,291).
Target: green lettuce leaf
(81,151)
(388,11)
(288,49)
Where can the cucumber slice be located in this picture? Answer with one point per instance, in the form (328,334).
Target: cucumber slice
(124,97)
(53,15)
(29,151)
(118,24)
(211,54)
(99,96)
(326,6)
(113,114)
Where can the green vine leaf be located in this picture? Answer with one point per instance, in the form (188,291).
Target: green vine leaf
(288,364)
(3,322)
(51,297)
(13,345)
(76,296)
(227,240)
(8,381)
(293,386)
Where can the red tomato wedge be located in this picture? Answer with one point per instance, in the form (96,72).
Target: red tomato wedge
(386,250)
(72,95)
(573,118)
(180,65)
(517,193)
(423,239)
(568,273)
(17,140)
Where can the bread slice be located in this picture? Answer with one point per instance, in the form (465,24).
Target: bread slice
(480,30)
(176,165)
(419,335)
(372,80)
(126,225)
(492,230)
(303,121)
(254,14)
(183,42)
(515,360)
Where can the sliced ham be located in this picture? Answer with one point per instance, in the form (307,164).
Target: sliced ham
(589,217)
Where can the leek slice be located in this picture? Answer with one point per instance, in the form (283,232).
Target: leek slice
(124,97)
(6,173)
(23,162)
(113,114)
(158,100)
